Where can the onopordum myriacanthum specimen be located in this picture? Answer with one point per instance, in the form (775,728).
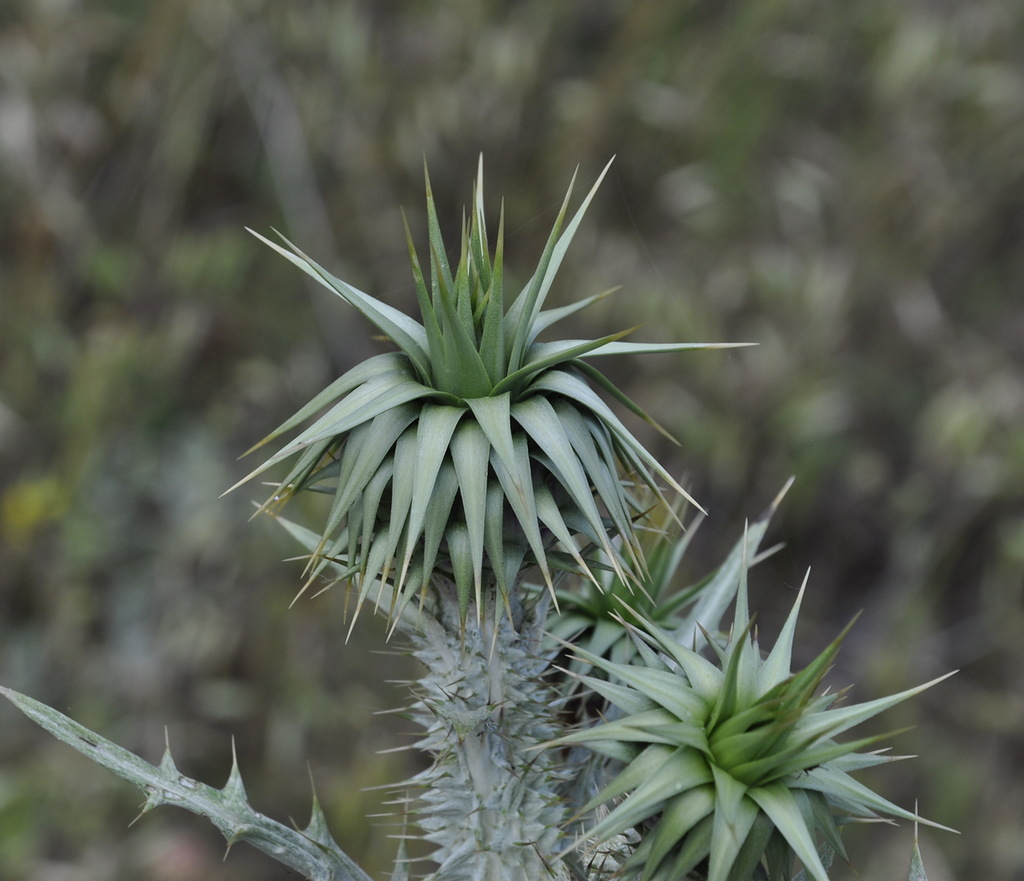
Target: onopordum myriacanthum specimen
(483,494)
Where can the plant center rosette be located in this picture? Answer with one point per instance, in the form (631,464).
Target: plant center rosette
(474,450)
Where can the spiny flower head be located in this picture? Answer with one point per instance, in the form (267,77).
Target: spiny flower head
(591,614)
(474,450)
(600,616)
(731,764)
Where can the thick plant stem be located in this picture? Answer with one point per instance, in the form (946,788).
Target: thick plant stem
(489,801)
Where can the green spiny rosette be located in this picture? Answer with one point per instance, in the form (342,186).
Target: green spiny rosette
(599,616)
(732,769)
(590,614)
(474,450)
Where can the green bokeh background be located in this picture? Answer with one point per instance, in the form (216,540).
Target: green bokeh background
(841,183)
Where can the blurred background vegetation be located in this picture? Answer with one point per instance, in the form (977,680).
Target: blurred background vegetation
(841,183)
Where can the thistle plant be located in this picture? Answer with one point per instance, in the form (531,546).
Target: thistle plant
(583,715)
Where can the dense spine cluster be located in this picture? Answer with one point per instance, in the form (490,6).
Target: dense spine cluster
(489,800)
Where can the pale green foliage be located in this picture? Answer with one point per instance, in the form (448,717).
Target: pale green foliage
(475,450)
(591,614)
(733,764)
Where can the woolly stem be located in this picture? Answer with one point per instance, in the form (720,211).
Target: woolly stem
(489,802)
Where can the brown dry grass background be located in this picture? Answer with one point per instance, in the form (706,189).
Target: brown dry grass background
(841,183)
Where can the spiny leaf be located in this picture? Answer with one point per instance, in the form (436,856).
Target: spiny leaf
(539,419)
(550,263)
(917,872)
(436,425)
(520,316)
(435,341)
(541,356)
(781,808)
(547,317)
(836,721)
(440,270)
(406,332)
(562,382)
(492,333)
(734,818)
(371,367)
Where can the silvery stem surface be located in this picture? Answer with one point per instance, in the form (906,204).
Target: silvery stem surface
(489,801)
(311,852)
